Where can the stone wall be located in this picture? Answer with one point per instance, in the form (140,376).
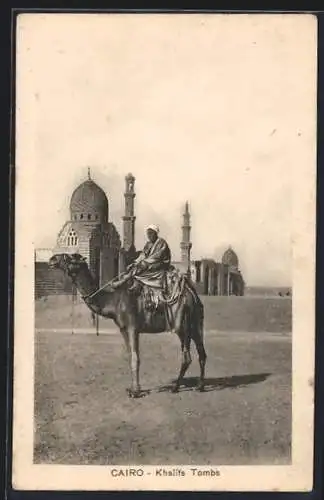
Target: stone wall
(50,281)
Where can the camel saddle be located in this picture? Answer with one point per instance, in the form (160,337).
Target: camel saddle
(158,295)
(158,301)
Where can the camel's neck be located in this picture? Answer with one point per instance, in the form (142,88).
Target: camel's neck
(103,302)
(84,282)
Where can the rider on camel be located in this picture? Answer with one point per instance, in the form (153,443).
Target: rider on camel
(150,269)
(150,266)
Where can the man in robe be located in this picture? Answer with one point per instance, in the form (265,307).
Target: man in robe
(150,266)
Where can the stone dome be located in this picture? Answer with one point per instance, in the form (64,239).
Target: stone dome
(230,258)
(89,203)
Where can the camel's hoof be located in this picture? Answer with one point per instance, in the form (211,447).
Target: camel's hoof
(200,388)
(174,389)
(133,394)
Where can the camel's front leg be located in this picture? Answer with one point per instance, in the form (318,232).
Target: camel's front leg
(135,390)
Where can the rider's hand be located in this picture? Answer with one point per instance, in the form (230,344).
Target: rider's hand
(142,266)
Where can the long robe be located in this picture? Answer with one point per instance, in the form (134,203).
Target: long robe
(157,256)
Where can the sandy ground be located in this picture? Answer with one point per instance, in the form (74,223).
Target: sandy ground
(83,415)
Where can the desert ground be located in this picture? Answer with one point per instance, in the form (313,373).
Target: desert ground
(83,414)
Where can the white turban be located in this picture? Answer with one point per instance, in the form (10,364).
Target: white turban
(153,227)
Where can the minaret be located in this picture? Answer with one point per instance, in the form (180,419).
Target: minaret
(129,218)
(185,244)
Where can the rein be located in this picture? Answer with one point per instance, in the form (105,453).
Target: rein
(109,284)
(93,294)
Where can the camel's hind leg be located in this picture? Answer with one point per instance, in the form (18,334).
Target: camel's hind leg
(185,363)
(202,356)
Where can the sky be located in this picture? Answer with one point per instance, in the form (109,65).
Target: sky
(209,109)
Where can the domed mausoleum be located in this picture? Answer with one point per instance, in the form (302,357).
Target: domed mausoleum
(230,258)
(89,202)
(220,278)
(90,233)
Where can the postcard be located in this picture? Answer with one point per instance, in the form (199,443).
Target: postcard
(164,329)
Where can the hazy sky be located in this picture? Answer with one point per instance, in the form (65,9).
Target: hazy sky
(207,109)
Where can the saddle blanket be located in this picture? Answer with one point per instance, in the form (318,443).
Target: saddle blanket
(165,292)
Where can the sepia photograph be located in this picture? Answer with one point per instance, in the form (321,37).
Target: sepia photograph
(164,331)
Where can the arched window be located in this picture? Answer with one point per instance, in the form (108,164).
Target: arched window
(89,216)
(81,216)
(97,217)
(72,239)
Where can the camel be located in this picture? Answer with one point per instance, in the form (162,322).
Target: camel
(129,312)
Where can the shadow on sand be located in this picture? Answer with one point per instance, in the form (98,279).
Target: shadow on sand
(217,384)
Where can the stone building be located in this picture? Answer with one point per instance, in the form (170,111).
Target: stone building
(210,277)
(90,233)
(219,278)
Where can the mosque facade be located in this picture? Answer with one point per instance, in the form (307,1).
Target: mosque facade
(91,233)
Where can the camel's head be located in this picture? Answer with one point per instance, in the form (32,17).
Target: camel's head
(70,264)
